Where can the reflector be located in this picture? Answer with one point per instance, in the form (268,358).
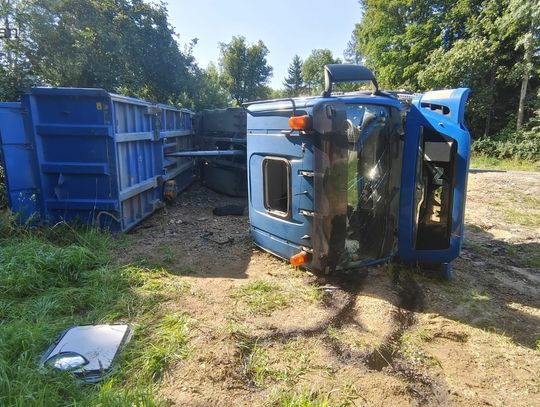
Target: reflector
(300,122)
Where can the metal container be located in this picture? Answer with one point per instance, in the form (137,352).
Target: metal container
(223,129)
(89,156)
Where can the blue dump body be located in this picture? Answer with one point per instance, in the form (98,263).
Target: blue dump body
(365,180)
(88,156)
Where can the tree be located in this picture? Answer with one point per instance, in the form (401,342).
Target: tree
(313,69)
(352,54)
(206,92)
(522,20)
(396,37)
(244,69)
(15,72)
(294,84)
(490,46)
(124,46)
(464,65)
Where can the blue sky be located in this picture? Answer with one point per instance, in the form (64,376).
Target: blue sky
(286,27)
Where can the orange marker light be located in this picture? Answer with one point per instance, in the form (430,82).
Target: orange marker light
(300,122)
(298,259)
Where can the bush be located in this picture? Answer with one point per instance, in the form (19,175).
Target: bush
(522,145)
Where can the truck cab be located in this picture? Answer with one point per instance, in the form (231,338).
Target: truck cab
(342,181)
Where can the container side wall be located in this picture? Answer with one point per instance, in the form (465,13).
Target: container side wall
(73,135)
(17,156)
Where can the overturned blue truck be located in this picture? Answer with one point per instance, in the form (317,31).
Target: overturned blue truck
(351,180)
(334,182)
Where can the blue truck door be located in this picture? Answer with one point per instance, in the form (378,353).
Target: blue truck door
(19,161)
(434,178)
(280,178)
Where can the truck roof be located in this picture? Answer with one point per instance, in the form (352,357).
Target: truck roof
(390,98)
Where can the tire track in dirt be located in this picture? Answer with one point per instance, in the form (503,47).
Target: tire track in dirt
(386,357)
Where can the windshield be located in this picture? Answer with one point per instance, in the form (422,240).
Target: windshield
(361,167)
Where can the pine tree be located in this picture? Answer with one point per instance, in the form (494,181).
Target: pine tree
(294,84)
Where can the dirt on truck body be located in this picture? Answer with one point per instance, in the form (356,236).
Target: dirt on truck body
(268,334)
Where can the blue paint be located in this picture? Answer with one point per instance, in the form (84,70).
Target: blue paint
(436,115)
(452,127)
(91,157)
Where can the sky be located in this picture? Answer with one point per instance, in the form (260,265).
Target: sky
(286,27)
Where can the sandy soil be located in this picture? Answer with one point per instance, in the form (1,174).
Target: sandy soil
(385,336)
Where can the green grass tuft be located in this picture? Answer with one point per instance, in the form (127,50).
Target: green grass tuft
(261,296)
(301,399)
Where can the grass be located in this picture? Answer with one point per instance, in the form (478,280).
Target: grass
(309,398)
(254,362)
(51,279)
(410,345)
(522,217)
(343,396)
(285,364)
(478,296)
(490,163)
(260,296)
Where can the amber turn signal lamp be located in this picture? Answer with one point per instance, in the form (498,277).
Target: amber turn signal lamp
(298,259)
(300,122)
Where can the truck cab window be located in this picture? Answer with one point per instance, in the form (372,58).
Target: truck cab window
(276,186)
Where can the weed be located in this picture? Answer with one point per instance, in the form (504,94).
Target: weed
(537,345)
(254,362)
(303,399)
(333,333)
(311,293)
(261,296)
(476,247)
(287,364)
(340,397)
(297,359)
(410,345)
(168,255)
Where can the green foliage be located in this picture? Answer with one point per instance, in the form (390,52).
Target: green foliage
(244,69)
(464,65)
(523,144)
(208,92)
(294,83)
(490,46)
(124,46)
(312,70)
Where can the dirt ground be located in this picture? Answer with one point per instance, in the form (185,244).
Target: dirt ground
(267,334)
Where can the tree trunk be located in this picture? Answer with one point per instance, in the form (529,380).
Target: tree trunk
(525,79)
(492,77)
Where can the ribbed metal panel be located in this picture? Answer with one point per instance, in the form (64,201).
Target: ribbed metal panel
(95,157)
